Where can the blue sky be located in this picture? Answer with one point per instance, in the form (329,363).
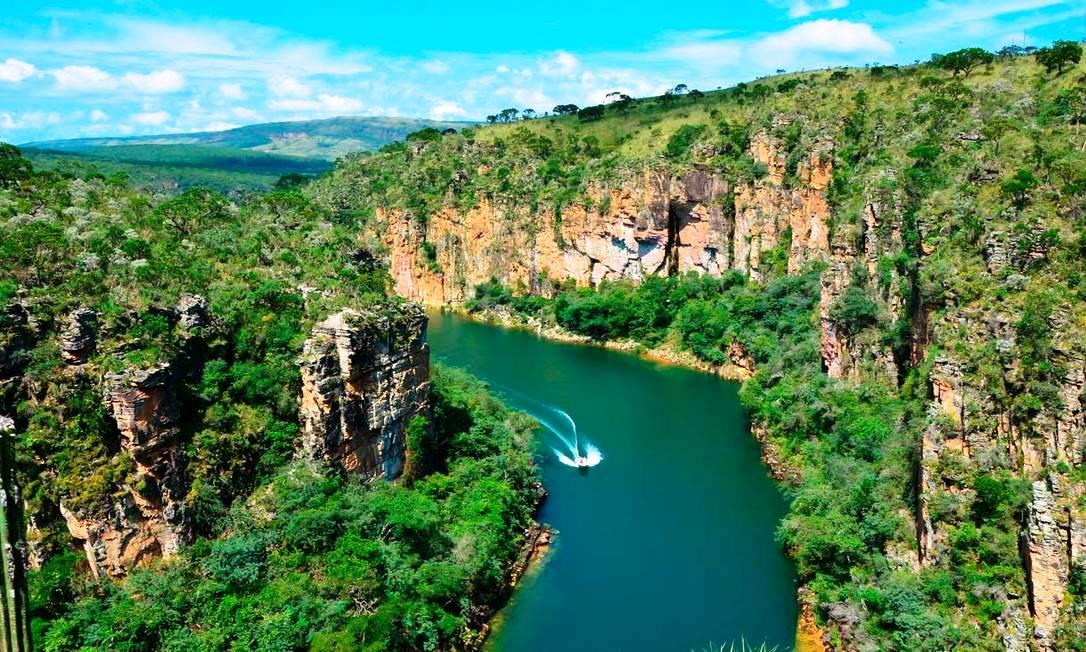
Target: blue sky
(70,69)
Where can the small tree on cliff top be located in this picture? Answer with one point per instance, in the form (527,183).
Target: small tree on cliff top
(1059,55)
(964,61)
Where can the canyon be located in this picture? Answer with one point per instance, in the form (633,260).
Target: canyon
(656,222)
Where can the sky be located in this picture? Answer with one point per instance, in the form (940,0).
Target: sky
(130,67)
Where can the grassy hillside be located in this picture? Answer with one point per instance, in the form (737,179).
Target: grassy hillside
(174,168)
(325,139)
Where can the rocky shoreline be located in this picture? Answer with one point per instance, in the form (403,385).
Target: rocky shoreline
(538,538)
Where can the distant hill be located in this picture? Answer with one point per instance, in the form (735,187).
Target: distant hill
(171,168)
(324,139)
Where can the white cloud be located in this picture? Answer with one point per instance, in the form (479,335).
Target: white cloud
(941,17)
(562,64)
(803,8)
(99,115)
(243,113)
(83,78)
(447,111)
(15,71)
(152,36)
(805,42)
(29,120)
(435,67)
(157,82)
(527,98)
(339,104)
(708,53)
(151,118)
(220,126)
(288,87)
(232,91)
(324,104)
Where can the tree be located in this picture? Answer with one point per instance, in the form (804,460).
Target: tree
(189,212)
(590,113)
(16,621)
(995,128)
(14,169)
(566,109)
(619,101)
(527,114)
(678,146)
(680,89)
(854,310)
(1011,51)
(1019,187)
(491,119)
(508,115)
(963,61)
(1058,55)
(291,181)
(425,135)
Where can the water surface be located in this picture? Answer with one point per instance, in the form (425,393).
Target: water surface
(668,543)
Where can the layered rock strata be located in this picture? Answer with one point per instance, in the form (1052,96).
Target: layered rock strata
(652,222)
(365,375)
(147,518)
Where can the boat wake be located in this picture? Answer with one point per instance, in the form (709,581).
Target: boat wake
(571,452)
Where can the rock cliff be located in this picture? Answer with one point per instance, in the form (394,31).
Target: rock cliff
(365,374)
(651,222)
(78,339)
(147,518)
(973,426)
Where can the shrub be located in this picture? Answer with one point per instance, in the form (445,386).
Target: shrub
(854,310)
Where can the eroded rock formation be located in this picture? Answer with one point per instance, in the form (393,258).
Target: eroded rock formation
(147,518)
(972,426)
(364,376)
(651,222)
(78,339)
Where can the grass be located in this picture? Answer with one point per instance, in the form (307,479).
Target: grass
(169,168)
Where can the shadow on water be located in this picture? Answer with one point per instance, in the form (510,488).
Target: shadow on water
(666,544)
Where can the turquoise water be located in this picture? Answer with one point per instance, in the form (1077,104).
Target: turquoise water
(668,543)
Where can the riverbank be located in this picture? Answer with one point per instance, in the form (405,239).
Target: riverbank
(809,637)
(739,369)
(537,543)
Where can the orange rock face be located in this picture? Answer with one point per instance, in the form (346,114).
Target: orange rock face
(650,223)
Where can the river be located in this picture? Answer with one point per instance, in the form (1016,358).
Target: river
(668,543)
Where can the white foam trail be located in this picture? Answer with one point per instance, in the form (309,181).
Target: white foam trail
(592,455)
(571,456)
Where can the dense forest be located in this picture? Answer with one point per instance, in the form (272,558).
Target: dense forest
(287,554)
(898,252)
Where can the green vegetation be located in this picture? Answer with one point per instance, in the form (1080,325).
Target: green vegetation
(327,139)
(974,168)
(289,556)
(172,168)
(965,175)
(313,561)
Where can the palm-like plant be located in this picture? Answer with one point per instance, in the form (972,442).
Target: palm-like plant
(16,630)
